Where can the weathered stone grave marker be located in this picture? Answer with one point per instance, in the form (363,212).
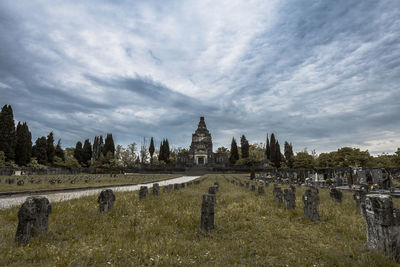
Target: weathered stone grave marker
(156,189)
(260,190)
(336,195)
(277,193)
(290,198)
(207,213)
(106,200)
(143,192)
(33,218)
(311,202)
(383,225)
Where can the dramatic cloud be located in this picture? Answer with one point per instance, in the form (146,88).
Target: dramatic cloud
(320,74)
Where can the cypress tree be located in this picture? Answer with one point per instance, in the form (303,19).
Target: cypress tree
(268,150)
(161,152)
(87,152)
(109,145)
(7,132)
(272,149)
(151,150)
(39,151)
(78,152)
(234,152)
(245,147)
(278,155)
(288,151)
(50,148)
(167,151)
(23,145)
(58,151)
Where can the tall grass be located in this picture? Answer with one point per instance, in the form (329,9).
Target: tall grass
(165,230)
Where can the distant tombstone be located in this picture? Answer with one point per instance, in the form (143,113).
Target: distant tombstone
(33,218)
(176,186)
(359,197)
(143,192)
(383,225)
(336,195)
(260,190)
(277,193)
(339,181)
(311,202)
(290,198)
(197,182)
(247,184)
(10,181)
(241,184)
(165,189)
(170,187)
(106,200)
(156,189)
(293,188)
(207,213)
(212,190)
(377,176)
(216,185)
(20,182)
(182,185)
(253,187)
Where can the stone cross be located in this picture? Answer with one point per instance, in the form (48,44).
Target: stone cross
(261,190)
(156,189)
(207,213)
(336,195)
(277,194)
(383,225)
(33,218)
(311,202)
(290,198)
(106,200)
(143,192)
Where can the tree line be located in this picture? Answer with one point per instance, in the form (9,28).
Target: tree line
(17,149)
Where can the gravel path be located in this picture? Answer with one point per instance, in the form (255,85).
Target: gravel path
(9,202)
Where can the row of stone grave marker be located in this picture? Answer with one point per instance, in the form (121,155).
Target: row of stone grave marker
(34,212)
(382,219)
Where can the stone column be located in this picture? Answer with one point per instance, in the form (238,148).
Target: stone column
(290,198)
(106,200)
(336,195)
(207,213)
(156,189)
(143,192)
(311,202)
(33,218)
(383,225)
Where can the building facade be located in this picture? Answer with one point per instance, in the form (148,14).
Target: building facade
(201,149)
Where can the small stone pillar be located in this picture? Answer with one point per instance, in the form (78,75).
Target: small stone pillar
(176,186)
(336,195)
(33,218)
(311,202)
(253,188)
(277,194)
(212,191)
(106,200)
(182,185)
(290,198)
(383,225)
(156,189)
(143,192)
(207,213)
(260,190)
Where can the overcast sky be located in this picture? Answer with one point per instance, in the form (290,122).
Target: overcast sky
(319,74)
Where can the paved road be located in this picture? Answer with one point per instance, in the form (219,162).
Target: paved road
(9,202)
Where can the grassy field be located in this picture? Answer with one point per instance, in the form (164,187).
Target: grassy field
(249,230)
(35,182)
